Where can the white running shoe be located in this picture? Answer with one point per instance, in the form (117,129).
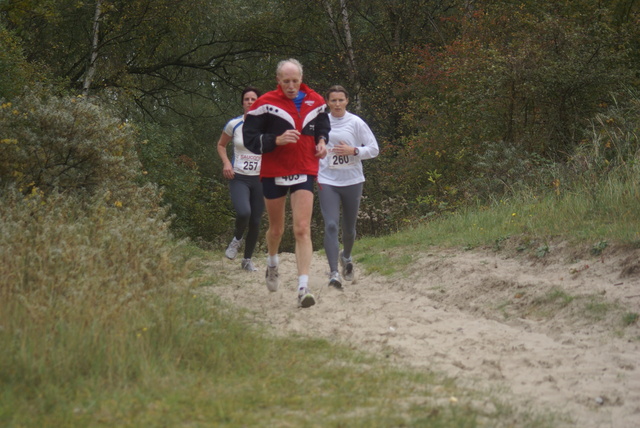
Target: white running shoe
(334,280)
(247,264)
(305,298)
(347,267)
(232,249)
(272,278)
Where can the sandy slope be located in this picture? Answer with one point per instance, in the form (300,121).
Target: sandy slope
(479,317)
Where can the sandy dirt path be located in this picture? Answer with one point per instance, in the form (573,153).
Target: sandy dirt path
(481,318)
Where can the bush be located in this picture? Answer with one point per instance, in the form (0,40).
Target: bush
(86,256)
(67,248)
(79,277)
(14,69)
(201,207)
(505,169)
(612,141)
(66,144)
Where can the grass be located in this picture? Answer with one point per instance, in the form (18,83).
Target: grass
(595,218)
(610,212)
(629,318)
(217,372)
(102,325)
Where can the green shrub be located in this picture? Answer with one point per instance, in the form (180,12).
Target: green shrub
(200,207)
(14,69)
(504,169)
(87,260)
(78,276)
(64,143)
(612,141)
(65,246)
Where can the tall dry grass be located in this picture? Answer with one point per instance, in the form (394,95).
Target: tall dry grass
(93,287)
(78,280)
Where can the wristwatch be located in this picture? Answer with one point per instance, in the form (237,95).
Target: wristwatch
(356,152)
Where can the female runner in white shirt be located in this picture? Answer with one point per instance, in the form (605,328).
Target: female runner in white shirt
(340,181)
(243,173)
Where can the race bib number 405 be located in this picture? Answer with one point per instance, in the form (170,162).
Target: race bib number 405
(247,164)
(339,161)
(290,180)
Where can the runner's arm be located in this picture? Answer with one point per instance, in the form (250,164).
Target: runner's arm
(254,139)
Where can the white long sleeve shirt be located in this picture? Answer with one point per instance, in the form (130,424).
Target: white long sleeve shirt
(342,171)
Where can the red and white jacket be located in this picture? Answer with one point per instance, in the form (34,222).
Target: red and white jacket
(270,116)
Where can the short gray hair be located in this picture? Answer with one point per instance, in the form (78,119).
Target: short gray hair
(288,61)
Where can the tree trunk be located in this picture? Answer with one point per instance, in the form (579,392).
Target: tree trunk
(351,58)
(91,67)
(345,43)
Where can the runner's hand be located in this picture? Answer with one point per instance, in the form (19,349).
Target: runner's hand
(290,136)
(321,149)
(343,149)
(227,171)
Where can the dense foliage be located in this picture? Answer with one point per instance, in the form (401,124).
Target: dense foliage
(109,115)
(469,100)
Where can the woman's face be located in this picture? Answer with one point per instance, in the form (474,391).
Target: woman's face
(337,103)
(248,99)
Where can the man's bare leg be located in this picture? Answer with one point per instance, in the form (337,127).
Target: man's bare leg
(302,209)
(275,211)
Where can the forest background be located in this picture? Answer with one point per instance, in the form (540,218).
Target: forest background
(110,111)
(470,101)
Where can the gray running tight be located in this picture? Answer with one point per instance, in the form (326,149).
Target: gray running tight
(247,200)
(331,197)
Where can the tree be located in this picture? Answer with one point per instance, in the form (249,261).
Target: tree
(91,67)
(14,68)
(340,28)
(521,77)
(149,50)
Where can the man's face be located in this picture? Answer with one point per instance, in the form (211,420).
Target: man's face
(289,80)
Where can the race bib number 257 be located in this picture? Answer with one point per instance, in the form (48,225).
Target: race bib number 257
(248,163)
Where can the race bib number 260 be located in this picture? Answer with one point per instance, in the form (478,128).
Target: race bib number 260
(337,161)
(290,180)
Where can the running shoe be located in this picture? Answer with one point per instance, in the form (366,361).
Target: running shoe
(305,298)
(334,280)
(272,278)
(247,264)
(232,249)
(347,267)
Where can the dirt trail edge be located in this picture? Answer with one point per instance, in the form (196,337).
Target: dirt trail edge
(548,334)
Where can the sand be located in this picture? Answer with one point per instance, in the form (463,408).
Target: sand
(544,334)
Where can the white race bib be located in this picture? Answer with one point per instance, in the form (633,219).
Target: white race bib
(247,164)
(290,180)
(337,161)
